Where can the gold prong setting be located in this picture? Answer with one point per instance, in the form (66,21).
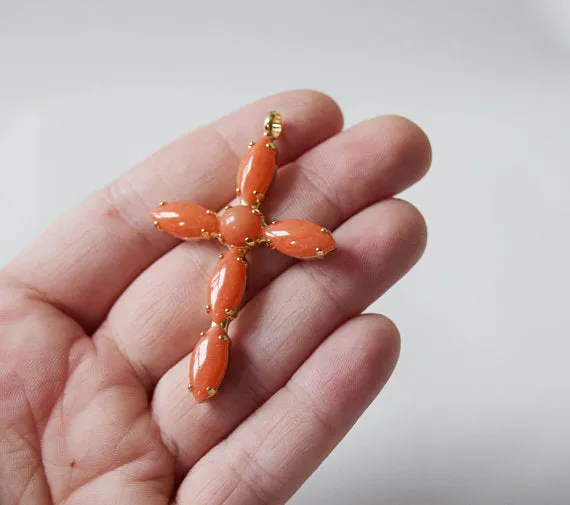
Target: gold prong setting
(224,338)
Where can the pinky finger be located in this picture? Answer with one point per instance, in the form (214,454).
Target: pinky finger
(267,458)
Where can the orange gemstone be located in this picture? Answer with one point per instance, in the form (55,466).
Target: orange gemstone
(185,220)
(208,363)
(298,238)
(227,286)
(239,223)
(256,171)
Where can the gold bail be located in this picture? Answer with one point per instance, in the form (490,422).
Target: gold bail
(273,124)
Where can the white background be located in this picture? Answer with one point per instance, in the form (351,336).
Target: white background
(478,409)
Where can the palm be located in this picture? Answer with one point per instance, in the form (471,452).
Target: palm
(98,317)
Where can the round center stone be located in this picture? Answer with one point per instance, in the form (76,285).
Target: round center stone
(238,224)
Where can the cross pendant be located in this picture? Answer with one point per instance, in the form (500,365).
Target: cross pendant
(240,228)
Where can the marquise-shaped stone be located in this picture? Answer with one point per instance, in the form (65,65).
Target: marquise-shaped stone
(208,363)
(299,239)
(227,286)
(185,220)
(256,171)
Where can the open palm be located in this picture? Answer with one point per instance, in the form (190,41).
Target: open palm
(98,316)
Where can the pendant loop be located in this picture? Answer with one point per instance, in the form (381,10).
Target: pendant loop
(273,124)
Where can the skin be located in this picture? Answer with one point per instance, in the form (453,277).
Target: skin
(99,315)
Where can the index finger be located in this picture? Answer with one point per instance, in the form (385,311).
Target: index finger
(84,261)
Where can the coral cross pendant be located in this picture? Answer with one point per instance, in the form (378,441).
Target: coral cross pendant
(240,228)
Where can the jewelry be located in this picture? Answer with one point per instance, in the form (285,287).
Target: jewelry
(240,228)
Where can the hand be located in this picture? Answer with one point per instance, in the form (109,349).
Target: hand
(98,316)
